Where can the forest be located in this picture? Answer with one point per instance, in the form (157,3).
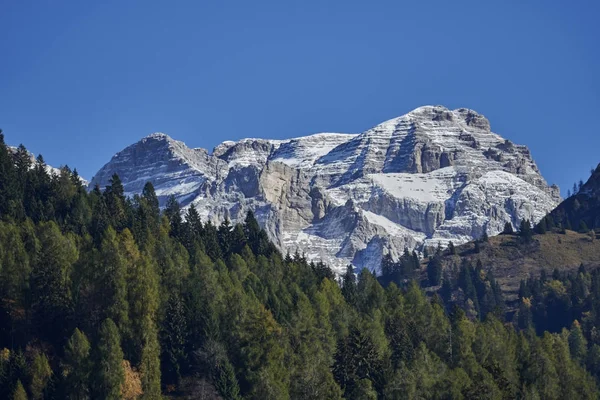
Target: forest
(103,296)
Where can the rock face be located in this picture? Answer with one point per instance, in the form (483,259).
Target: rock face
(431,176)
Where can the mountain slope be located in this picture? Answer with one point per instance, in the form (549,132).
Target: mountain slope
(431,176)
(584,206)
(511,261)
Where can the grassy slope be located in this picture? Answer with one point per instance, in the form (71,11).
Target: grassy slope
(510,261)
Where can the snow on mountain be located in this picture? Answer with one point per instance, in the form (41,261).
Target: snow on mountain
(52,171)
(431,176)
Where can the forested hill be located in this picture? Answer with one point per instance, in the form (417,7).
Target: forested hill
(105,297)
(582,209)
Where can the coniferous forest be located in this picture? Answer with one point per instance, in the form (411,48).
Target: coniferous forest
(108,297)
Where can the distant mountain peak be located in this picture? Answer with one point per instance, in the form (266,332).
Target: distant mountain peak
(433,175)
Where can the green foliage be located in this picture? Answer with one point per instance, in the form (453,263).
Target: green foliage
(434,271)
(109,368)
(150,362)
(193,307)
(40,373)
(77,366)
(525,231)
(19,393)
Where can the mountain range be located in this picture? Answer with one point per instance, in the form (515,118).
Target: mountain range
(424,179)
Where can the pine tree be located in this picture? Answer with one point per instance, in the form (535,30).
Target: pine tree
(109,363)
(226,381)
(224,234)
(77,366)
(434,271)
(577,343)
(252,230)
(40,373)
(7,180)
(114,195)
(19,392)
(508,229)
(525,231)
(349,290)
(173,341)
(173,213)
(542,226)
(113,280)
(451,248)
(51,281)
(150,362)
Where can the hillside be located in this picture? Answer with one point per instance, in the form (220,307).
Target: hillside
(581,207)
(511,261)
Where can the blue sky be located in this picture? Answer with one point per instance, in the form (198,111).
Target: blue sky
(80,80)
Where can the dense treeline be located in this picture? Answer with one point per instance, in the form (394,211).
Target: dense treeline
(107,297)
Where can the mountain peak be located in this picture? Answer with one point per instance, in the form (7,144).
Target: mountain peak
(158,136)
(429,177)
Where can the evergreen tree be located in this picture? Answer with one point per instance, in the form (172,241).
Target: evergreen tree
(173,343)
(40,373)
(109,363)
(525,231)
(451,248)
(173,214)
(485,238)
(77,366)
(508,229)
(116,203)
(434,271)
(19,393)
(349,285)
(150,362)
(577,343)
(51,282)
(542,226)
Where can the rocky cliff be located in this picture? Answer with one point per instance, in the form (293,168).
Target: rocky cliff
(431,176)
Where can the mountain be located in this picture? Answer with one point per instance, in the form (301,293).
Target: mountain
(52,171)
(426,178)
(581,207)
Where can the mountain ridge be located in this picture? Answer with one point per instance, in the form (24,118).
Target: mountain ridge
(428,177)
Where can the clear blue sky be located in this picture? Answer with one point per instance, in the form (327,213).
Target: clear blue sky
(80,80)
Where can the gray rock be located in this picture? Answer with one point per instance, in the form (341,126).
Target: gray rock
(429,177)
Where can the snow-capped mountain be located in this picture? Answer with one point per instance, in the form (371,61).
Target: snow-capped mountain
(431,176)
